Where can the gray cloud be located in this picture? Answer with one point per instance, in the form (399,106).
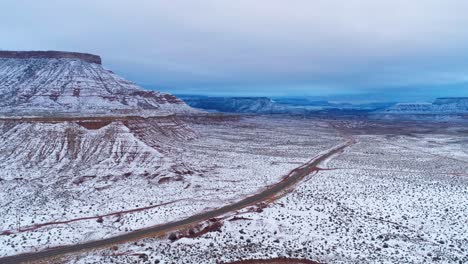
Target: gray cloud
(300,44)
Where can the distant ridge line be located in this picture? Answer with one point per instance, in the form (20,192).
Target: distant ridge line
(454,97)
(50,54)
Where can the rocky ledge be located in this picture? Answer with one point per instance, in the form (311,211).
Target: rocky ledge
(50,55)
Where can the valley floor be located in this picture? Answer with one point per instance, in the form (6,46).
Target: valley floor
(389,198)
(398,195)
(54,202)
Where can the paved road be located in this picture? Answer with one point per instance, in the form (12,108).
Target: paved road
(295,176)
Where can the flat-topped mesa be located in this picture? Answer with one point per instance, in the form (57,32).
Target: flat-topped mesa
(52,83)
(451,100)
(443,105)
(50,54)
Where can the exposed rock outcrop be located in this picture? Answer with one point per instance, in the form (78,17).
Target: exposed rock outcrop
(34,147)
(50,54)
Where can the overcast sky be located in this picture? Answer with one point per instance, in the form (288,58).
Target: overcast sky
(302,47)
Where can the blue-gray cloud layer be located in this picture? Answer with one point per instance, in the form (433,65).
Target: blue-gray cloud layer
(261,45)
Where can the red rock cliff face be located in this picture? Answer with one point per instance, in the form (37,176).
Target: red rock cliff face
(50,55)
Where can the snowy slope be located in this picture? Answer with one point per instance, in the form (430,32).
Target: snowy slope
(35,149)
(68,82)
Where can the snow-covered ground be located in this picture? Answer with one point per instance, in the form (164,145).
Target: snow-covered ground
(392,197)
(66,183)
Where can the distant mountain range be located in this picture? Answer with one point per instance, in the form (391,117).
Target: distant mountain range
(443,109)
(261,105)
(265,105)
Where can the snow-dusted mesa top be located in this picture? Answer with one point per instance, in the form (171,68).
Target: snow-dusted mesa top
(36,83)
(50,54)
(448,105)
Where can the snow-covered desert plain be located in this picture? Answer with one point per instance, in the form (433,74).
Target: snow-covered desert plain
(398,194)
(66,192)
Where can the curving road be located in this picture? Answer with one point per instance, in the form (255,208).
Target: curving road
(294,177)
